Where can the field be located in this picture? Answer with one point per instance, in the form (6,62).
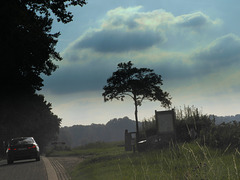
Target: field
(182,161)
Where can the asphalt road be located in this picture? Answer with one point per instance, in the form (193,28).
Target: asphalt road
(23,170)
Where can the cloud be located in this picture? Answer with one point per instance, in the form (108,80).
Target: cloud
(122,30)
(221,53)
(155,39)
(78,78)
(195,20)
(129,29)
(119,41)
(124,18)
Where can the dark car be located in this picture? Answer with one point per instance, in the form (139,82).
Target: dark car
(22,148)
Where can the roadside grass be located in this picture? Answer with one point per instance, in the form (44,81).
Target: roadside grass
(183,161)
(92,150)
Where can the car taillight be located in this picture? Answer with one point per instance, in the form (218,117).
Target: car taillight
(32,147)
(12,149)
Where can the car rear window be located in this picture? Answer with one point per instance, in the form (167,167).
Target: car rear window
(22,141)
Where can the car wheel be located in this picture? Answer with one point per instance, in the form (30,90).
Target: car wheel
(38,158)
(9,161)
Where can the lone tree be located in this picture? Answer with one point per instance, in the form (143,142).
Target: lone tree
(137,83)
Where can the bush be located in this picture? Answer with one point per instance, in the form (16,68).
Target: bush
(191,124)
(148,128)
(224,136)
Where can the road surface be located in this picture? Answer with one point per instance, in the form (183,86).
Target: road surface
(44,169)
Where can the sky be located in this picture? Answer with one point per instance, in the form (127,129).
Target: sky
(193,45)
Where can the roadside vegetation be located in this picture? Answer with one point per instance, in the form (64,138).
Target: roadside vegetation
(181,161)
(192,125)
(212,152)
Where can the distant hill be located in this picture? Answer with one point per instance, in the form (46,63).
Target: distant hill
(226,119)
(78,135)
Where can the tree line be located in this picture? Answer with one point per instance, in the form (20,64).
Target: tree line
(27,49)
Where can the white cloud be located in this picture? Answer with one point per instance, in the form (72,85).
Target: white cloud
(153,39)
(196,20)
(130,29)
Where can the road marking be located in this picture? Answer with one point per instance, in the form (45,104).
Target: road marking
(51,173)
(59,169)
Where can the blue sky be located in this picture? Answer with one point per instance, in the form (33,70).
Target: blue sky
(194,45)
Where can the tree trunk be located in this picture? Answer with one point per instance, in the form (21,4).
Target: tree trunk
(136,118)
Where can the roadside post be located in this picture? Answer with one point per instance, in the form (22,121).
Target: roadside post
(130,140)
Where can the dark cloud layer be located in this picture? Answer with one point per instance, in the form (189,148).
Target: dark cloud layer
(119,41)
(95,55)
(222,52)
(78,78)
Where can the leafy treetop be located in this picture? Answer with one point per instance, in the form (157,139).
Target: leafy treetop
(137,83)
(27,44)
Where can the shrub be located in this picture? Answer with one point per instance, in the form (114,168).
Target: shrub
(224,136)
(148,128)
(190,120)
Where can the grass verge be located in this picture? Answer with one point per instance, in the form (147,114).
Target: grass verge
(185,161)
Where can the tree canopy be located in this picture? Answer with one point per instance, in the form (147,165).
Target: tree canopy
(27,44)
(28,116)
(27,48)
(136,83)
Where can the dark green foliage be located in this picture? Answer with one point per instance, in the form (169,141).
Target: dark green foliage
(191,124)
(29,116)
(191,119)
(148,128)
(137,83)
(27,49)
(225,135)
